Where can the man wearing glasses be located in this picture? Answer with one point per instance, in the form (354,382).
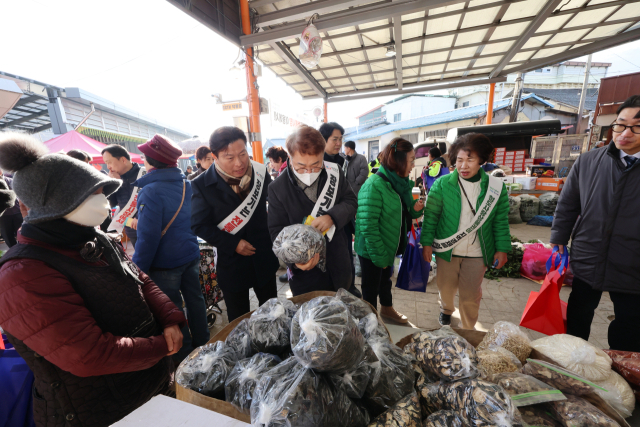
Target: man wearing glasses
(598,209)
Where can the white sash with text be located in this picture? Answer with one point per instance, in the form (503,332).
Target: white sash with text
(120,218)
(243,213)
(328,196)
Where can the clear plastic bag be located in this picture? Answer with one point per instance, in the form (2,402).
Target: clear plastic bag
(575,411)
(445,331)
(371,328)
(433,272)
(298,243)
(529,207)
(242,380)
(291,395)
(444,418)
(240,340)
(357,307)
(405,413)
(496,360)
(310,49)
(429,395)
(548,203)
(560,378)
(206,369)
(452,358)
(270,326)
(392,377)
(514,210)
(619,394)
(325,337)
(576,355)
(526,390)
(509,336)
(537,416)
(627,364)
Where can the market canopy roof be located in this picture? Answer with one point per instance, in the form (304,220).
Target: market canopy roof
(438,43)
(73,140)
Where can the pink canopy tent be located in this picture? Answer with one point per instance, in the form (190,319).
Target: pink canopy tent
(74,140)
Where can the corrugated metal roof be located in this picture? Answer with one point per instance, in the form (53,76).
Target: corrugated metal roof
(465,113)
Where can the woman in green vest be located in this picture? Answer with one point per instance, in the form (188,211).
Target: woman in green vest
(466,223)
(385,210)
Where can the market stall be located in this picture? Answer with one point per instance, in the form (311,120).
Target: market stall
(74,140)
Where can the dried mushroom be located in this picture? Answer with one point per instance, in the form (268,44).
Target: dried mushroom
(270,326)
(538,416)
(495,360)
(355,381)
(577,412)
(371,328)
(445,331)
(557,377)
(298,243)
(206,369)
(451,358)
(240,340)
(445,419)
(509,336)
(242,380)
(357,307)
(526,390)
(405,413)
(430,399)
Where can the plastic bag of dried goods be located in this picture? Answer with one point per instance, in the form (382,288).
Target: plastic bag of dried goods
(534,261)
(392,378)
(357,307)
(529,207)
(206,369)
(526,390)
(240,340)
(575,411)
(429,395)
(560,378)
(619,394)
(405,413)
(325,337)
(292,395)
(451,358)
(354,382)
(495,360)
(371,328)
(445,331)
(270,326)
(627,364)
(310,49)
(509,336)
(548,203)
(445,419)
(298,243)
(538,416)
(576,355)
(242,380)
(514,210)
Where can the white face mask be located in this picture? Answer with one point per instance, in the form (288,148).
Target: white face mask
(92,212)
(307,178)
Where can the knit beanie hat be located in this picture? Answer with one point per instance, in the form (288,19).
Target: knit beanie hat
(7,197)
(50,185)
(161,149)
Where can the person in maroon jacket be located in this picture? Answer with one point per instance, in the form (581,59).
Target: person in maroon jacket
(93,328)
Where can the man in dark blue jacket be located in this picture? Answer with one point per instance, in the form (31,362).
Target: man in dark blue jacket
(167,250)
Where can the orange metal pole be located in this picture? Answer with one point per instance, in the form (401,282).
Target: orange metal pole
(253,97)
(326,117)
(492,89)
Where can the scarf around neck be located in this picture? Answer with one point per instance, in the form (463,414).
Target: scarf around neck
(240,186)
(402,186)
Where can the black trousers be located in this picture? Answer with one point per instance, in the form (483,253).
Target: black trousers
(376,282)
(349,229)
(9,226)
(624,331)
(312,280)
(238,302)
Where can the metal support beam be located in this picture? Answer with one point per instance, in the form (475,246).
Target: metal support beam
(258,3)
(305,10)
(533,26)
(492,90)
(349,18)
(29,99)
(41,128)
(605,43)
(397,37)
(293,62)
(23,119)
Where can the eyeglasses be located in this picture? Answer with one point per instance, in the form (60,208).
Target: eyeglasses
(312,170)
(618,128)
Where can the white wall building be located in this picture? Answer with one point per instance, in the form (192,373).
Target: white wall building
(412,106)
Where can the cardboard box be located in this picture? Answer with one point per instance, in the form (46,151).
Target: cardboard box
(507,179)
(549,184)
(528,183)
(538,170)
(521,152)
(501,149)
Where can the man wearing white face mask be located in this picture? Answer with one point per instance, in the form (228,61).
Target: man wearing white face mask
(312,186)
(92,327)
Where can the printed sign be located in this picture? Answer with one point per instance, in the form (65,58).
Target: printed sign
(232,106)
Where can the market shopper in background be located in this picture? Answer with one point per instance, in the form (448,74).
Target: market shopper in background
(204,160)
(92,327)
(229,211)
(436,168)
(355,167)
(467,197)
(598,210)
(385,210)
(11,218)
(304,186)
(118,160)
(374,165)
(278,158)
(167,250)
(332,134)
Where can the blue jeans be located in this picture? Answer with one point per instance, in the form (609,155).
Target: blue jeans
(184,282)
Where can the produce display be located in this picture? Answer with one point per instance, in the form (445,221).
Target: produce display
(270,326)
(576,355)
(555,376)
(354,382)
(298,243)
(538,416)
(405,413)
(445,419)
(243,378)
(206,369)
(239,340)
(526,390)
(529,207)
(510,337)
(548,203)
(619,394)
(451,357)
(357,307)
(372,329)
(495,360)
(514,210)
(577,412)
(325,337)
(429,395)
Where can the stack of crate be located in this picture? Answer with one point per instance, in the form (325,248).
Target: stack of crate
(517,160)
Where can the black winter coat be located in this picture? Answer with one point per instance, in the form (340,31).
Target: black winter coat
(213,200)
(289,205)
(598,208)
(121,197)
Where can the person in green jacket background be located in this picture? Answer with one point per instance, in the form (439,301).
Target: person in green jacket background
(385,210)
(451,209)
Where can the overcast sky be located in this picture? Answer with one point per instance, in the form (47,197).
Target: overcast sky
(150,57)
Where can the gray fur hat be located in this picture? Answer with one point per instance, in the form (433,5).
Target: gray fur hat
(50,185)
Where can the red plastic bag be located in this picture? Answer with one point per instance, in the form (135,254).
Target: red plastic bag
(627,364)
(545,312)
(534,261)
